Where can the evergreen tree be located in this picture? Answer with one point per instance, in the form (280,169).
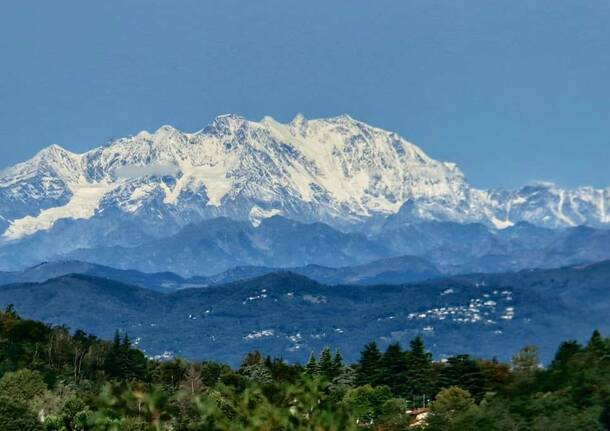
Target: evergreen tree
(269,362)
(464,372)
(368,368)
(565,352)
(597,345)
(326,364)
(394,369)
(116,341)
(346,377)
(123,362)
(251,358)
(282,371)
(312,366)
(337,362)
(418,371)
(257,372)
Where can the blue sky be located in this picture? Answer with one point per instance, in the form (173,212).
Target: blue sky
(513,91)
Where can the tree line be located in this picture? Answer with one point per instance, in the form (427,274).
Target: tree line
(55,380)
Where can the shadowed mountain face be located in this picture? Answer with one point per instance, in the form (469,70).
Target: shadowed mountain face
(162,282)
(396,270)
(289,315)
(393,270)
(218,245)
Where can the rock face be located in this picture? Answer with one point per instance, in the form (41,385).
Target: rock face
(338,171)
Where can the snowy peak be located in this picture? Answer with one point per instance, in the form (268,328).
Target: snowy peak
(53,161)
(337,170)
(548,205)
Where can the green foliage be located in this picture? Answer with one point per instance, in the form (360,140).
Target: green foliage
(258,373)
(124,363)
(212,371)
(22,385)
(75,414)
(15,415)
(326,365)
(57,381)
(394,414)
(451,402)
(419,377)
(464,372)
(312,367)
(337,362)
(366,402)
(393,371)
(566,351)
(369,366)
(525,361)
(169,373)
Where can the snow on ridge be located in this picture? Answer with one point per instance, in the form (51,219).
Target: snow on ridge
(51,161)
(137,171)
(83,204)
(336,170)
(257,215)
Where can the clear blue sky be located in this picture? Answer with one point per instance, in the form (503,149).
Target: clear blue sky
(514,91)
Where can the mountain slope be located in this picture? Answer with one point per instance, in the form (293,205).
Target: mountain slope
(395,270)
(289,315)
(392,271)
(219,244)
(452,248)
(162,282)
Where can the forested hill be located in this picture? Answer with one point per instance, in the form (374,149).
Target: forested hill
(289,315)
(54,380)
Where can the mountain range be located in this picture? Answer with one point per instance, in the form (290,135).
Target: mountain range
(332,192)
(288,315)
(288,237)
(397,270)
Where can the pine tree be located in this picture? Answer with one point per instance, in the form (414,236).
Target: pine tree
(394,369)
(369,366)
(251,358)
(346,377)
(597,345)
(112,363)
(326,365)
(124,362)
(465,372)
(337,362)
(565,352)
(312,366)
(419,370)
(269,362)
(116,341)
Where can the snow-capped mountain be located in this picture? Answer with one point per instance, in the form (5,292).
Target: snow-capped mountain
(339,171)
